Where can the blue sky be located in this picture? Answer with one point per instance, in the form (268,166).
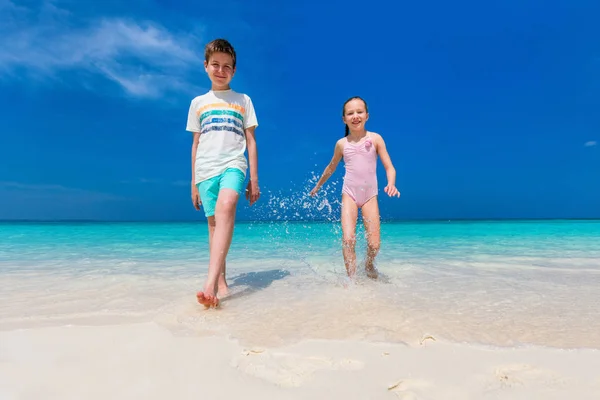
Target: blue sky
(488,110)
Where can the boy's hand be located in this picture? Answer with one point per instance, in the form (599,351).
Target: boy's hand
(314,191)
(391,191)
(252,191)
(196,198)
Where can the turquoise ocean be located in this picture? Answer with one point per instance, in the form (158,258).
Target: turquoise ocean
(498,283)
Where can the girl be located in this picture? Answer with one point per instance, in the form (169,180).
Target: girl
(359,149)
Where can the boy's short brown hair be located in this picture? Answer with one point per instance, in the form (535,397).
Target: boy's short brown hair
(219,46)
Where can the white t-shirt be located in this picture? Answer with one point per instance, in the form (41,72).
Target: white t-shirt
(221,118)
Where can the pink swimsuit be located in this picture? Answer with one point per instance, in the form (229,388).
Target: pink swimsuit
(360,181)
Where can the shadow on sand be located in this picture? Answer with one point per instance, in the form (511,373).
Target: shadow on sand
(255,281)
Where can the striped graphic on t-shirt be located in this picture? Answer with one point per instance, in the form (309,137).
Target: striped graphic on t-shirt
(221,117)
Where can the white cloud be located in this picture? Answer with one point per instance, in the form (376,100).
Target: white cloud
(591,143)
(144,58)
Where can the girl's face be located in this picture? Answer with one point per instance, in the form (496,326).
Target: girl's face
(355,115)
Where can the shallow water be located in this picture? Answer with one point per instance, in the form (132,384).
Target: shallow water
(496,283)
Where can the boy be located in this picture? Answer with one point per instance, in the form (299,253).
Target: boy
(223,123)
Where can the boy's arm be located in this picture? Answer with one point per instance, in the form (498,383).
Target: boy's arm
(330,169)
(195,141)
(195,195)
(390,171)
(253,191)
(193,125)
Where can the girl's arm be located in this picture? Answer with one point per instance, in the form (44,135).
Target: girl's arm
(330,169)
(195,195)
(390,171)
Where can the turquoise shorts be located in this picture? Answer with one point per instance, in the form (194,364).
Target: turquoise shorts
(232,178)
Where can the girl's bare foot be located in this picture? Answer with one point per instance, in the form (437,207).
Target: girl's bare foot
(371,270)
(348,282)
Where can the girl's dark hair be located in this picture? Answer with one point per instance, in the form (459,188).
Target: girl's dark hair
(344,109)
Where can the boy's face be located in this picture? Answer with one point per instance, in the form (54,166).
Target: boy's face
(220,70)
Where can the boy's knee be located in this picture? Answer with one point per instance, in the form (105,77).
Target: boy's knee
(227,203)
(227,211)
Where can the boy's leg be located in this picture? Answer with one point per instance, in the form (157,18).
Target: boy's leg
(370,212)
(222,287)
(231,184)
(222,236)
(349,215)
(209,192)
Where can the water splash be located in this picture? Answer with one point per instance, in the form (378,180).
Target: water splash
(290,215)
(296,204)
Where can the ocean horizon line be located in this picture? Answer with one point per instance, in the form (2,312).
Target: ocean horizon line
(396,220)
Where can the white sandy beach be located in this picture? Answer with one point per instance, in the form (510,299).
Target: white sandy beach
(145,361)
(138,338)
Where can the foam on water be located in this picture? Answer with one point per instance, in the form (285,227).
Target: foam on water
(486,282)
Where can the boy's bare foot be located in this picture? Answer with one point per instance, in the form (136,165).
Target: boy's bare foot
(207,300)
(371,270)
(223,291)
(222,287)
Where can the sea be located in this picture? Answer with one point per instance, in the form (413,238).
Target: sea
(494,283)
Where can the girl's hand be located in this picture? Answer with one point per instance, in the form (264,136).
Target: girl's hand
(391,191)
(314,191)
(196,198)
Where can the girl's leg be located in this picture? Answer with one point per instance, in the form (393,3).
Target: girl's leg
(349,215)
(370,213)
